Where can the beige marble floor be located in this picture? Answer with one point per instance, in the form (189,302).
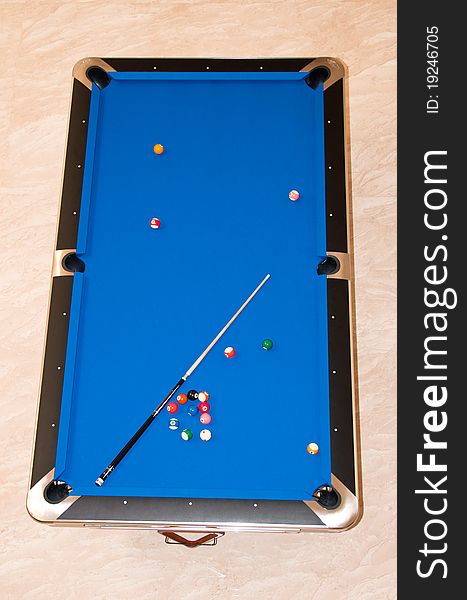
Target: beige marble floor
(40,41)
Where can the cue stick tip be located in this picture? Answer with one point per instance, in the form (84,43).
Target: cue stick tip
(99,481)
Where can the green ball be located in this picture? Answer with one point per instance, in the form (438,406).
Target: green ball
(187,434)
(267,344)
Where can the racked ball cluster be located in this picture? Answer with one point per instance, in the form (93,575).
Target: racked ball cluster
(202,409)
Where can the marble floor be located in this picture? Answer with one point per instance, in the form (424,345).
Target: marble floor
(40,41)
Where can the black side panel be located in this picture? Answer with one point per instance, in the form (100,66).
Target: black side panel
(201,64)
(74,167)
(336,201)
(52,378)
(340,382)
(175,510)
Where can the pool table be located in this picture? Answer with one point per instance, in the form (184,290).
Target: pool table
(186,182)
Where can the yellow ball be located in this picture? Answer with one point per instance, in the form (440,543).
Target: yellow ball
(313,448)
(158,148)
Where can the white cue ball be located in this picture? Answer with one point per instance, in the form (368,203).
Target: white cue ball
(205,435)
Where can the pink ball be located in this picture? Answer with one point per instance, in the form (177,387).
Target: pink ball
(294,195)
(205,418)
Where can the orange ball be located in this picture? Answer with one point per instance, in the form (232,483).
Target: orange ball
(158,148)
(313,448)
(182,399)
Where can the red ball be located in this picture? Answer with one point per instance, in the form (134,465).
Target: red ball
(229,352)
(172,407)
(204,407)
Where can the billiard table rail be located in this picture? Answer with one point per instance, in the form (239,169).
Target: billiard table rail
(192,515)
(210,515)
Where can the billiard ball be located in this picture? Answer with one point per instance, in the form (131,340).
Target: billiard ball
(294,195)
(192,395)
(313,448)
(172,407)
(158,148)
(204,407)
(205,418)
(174,424)
(267,344)
(229,352)
(182,398)
(155,223)
(186,434)
(193,411)
(203,396)
(205,435)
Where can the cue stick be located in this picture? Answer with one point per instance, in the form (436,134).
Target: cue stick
(127,447)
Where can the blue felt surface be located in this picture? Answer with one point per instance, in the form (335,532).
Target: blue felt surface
(151,300)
